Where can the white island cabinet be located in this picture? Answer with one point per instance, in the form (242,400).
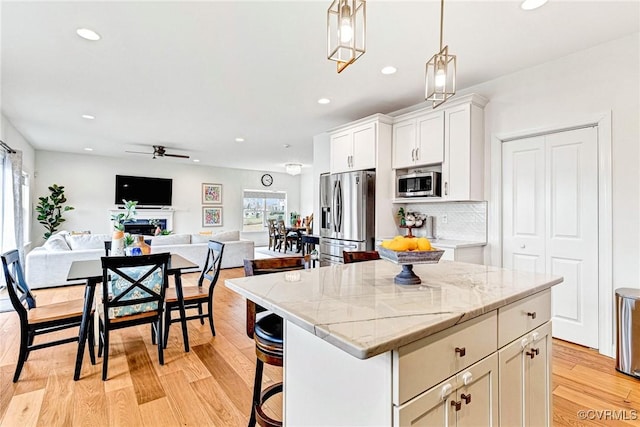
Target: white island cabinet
(470,346)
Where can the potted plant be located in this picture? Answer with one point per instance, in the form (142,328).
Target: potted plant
(50,209)
(118,239)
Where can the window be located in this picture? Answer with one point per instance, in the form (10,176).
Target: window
(259,206)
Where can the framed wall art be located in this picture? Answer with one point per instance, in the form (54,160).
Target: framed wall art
(211,216)
(211,194)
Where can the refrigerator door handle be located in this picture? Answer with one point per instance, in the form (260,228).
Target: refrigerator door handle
(339,207)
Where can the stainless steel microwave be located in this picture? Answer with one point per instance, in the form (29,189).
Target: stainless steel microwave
(422,184)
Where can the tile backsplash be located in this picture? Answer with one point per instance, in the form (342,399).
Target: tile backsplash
(464,220)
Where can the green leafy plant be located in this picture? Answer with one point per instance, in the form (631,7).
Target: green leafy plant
(401,216)
(128,240)
(128,215)
(50,209)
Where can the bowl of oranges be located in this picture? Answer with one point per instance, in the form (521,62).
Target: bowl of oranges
(406,251)
(409,250)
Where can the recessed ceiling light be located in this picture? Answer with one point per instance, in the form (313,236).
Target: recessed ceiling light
(88,34)
(196,160)
(388,70)
(88,149)
(239,139)
(286,146)
(532,4)
(324,101)
(88,116)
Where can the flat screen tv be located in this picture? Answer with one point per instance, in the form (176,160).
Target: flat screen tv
(146,191)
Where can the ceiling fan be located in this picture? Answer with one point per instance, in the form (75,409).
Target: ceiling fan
(160,151)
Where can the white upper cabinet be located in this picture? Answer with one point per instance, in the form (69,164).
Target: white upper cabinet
(462,167)
(356,146)
(418,141)
(449,140)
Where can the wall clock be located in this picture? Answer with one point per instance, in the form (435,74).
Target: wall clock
(267,180)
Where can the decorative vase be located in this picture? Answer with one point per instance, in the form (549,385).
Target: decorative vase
(139,247)
(117,243)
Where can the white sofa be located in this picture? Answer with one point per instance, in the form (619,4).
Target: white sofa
(48,265)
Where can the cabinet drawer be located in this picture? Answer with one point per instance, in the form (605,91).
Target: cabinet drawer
(421,364)
(520,317)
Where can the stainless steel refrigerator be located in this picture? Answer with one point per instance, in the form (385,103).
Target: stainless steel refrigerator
(347,207)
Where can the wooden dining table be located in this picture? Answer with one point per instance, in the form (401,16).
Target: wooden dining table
(91,272)
(300,231)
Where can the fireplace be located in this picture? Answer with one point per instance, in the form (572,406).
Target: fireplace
(144,217)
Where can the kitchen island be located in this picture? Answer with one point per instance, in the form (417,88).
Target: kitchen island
(360,350)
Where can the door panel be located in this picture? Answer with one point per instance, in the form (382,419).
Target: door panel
(430,142)
(364,147)
(523,204)
(550,211)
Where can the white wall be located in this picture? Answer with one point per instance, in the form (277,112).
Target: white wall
(602,79)
(89,182)
(321,162)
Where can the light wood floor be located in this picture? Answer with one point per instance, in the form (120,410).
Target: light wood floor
(211,385)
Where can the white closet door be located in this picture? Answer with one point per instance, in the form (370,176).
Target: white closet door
(523,204)
(572,233)
(550,223)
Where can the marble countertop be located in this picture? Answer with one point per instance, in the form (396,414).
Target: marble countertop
(359,309)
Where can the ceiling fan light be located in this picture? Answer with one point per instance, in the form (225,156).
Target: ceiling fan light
(293,168)
(346,31)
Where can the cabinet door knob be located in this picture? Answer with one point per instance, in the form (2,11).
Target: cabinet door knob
(523,246)
(413,154)
(446,188)
(457,405)
(417,153)
(461,351)
(532,314)
(466,398)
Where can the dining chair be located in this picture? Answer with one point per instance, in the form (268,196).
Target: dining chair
(195,296)
(133,292)
(266,330)
(281,240)
(43,319)
(273,233)
(359,256)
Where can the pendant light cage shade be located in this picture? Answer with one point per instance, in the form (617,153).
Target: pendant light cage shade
(440,77)
(346,31)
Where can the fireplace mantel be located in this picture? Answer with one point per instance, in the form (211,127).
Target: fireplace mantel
(141,214)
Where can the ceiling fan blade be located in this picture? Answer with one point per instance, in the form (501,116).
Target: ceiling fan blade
(182,156)
(137,152)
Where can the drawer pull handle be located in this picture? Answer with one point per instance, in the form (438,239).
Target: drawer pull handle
(532,314)
(461,351)
(466,398)
(533,353)
(457,405)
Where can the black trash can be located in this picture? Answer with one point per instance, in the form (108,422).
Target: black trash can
(628,327)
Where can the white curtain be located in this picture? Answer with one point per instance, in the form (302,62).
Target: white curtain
(13,221)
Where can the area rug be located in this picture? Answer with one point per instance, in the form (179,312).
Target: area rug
(264,252)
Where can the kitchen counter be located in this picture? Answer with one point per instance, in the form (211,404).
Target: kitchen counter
(420,351)
(358,309)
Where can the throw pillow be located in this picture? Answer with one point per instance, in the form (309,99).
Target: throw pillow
(171,239)
(119,285)
(87,241)
(55,243)
(227,236)
(199,238)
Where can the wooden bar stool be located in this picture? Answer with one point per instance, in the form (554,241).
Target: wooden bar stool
(266,330)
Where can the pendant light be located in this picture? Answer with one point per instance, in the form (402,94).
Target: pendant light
(440,77)
(293,168)
(346,31)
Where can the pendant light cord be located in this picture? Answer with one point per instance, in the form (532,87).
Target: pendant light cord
(441,21)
